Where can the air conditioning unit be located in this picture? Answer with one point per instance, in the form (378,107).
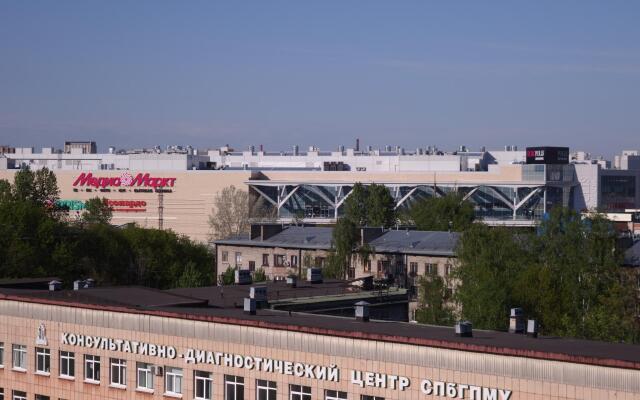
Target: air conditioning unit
(158,370)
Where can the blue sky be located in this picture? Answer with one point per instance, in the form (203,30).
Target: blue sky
(140,73)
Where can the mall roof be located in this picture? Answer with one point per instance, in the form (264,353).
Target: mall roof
(157,303)
(392,241)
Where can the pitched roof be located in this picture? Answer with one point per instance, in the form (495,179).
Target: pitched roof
(317,237)
(417,242)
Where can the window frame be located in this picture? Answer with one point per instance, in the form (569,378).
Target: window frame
(18,395)
(1,354)
(330,394)
(299,392)
(147,368)
(224,256)
(177,375)
(94,361)
(270,388)
(21,349)
(235,381)
(265,259)
(68,359)
(46,359)
(206,380)
(120,365)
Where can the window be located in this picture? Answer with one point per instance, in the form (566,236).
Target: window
(233,387)
(447,269)
(334,395)
(278,260)
(430,269)
(91,368)
(173,380)
(413,268)
(379,265)
(144,376)
(1,356)
(294,261)
(367,265)
(265,260)
(265,390)
(19,356)
(202,385)
(367,397)
(118,372)
(67,364)
(42,397)
(225,256)
(252,266)
(1,394)
(238,259)
(43,360)
(18,395)
(299,392)
(319,262)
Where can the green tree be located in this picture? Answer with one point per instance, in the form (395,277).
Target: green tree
(489,263)
(344,242)
(433,307)
(5,191)
(259,275)
(229,276)
(380,206)
(45,187)
(192,277)
(97,211)
(443,213)
(355,206)
(231,213)
(24,185)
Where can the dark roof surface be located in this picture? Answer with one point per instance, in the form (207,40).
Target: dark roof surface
(632,255)
(417,242)
(304,237)
(175,305)
(316,237)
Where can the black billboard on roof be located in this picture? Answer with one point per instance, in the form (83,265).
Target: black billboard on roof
(547,155)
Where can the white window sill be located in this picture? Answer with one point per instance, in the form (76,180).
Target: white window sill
(18,369)
(91,382)
(42,373)
(1,366)
(145,390)
(117,386)
(174,395)
(67,377)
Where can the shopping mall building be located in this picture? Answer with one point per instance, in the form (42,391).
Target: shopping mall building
(176,189)
(136,343)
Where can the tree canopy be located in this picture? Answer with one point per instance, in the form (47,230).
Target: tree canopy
(35,242)
(443,213)
(370,205)
(567,276)
(97,211)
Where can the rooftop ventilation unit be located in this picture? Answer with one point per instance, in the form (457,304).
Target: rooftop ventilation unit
(55,285)
(362,311)
(292,281)
(249,306)
(242,277)
(314,275)
(464,329)
(258,293)
(532,328)
(516,321)
(84,284)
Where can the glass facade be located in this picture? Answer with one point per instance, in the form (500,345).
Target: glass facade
(618,192)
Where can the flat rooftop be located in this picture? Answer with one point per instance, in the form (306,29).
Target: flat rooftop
(191,304)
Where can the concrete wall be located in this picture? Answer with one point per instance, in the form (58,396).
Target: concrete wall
(527,378)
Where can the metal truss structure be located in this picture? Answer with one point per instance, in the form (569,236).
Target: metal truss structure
(504,204)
